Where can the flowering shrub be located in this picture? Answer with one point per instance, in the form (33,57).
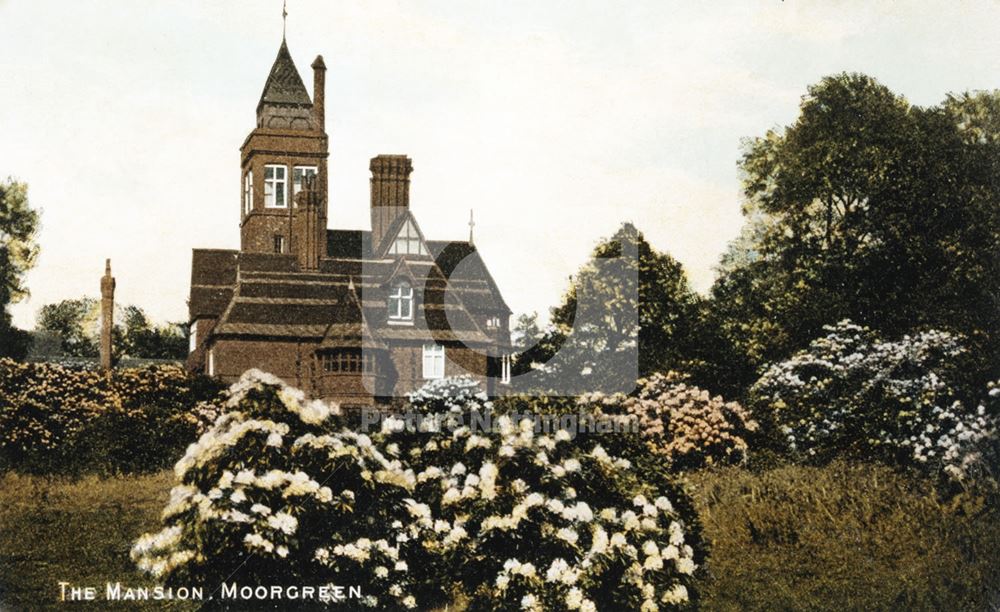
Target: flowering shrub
(56,418)
(545,521)
(682,423)
(852,392)
(280,491)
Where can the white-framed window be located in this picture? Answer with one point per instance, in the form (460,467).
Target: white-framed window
(275,186)
(493,323)
(401,302)
(298,173)
(433,361)
(505,370)
(407,241)
(211,362)
(248,192)
(193,337)
(279,244)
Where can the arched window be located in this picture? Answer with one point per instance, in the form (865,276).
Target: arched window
(401,302)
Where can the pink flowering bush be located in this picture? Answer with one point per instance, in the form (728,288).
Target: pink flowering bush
(851,392)
(682,423)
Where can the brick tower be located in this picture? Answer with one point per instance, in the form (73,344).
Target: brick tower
(288,145)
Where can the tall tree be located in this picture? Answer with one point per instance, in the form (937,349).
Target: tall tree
(871,209)
(628,303)
(18,252)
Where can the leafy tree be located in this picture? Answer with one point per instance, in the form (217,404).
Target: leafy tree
(638,306)
(871,209)
(18,252)
(77,323)
(68,320)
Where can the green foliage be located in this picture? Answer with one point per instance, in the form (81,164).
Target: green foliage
(18,253)
(871,209)
(639,307)
(77,322)
(56,419)
(843,537)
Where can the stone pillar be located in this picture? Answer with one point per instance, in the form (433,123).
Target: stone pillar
(107,315)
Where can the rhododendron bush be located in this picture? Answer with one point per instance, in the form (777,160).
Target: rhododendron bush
(55,418)
(519,519)
(853,392)
(681,422)
(552,521)
(279,491)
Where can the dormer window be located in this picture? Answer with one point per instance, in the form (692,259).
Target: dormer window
(407,241)
(401,303)
(275,186)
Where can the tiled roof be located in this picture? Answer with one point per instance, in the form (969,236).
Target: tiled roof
(284,85)
(344,302)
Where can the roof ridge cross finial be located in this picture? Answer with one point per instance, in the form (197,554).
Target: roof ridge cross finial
(284,18)
(472,224)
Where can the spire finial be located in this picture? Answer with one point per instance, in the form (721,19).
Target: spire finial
(472,224)
(284,18)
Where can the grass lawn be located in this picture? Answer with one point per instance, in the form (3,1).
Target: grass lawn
(843,537)
(54,530)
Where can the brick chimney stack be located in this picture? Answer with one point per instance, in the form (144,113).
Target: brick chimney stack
(309,225)
(107,315)
(390,192)
(319,94)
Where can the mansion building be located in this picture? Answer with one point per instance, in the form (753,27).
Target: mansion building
(355,316)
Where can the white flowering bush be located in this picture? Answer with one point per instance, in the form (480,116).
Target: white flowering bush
(545,521)
(851,392)
(680,422)
(277,492)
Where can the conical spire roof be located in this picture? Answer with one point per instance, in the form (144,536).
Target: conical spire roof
(284,85)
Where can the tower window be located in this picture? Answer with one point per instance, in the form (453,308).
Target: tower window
(248,192)
(275,186)
(298,174)
(279,244)
(433,361)
(407,241)
(401,302)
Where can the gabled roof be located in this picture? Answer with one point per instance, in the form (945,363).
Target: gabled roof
(392,232)
(284,85)
(465,270)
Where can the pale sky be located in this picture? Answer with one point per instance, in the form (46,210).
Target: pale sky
(555,121)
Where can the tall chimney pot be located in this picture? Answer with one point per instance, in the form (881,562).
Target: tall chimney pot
(319,94)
